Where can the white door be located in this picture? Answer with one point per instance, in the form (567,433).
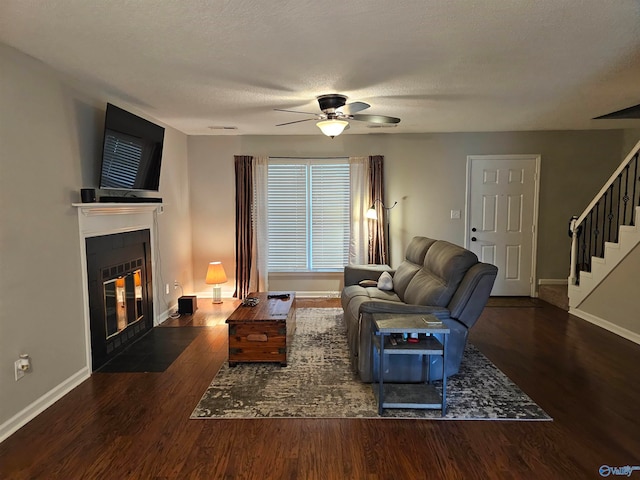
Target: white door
(502,208)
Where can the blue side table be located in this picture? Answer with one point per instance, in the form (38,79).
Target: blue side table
(410,395)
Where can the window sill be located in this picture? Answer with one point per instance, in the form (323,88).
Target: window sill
(307,273)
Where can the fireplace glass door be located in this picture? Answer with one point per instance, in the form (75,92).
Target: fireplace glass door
(123,302)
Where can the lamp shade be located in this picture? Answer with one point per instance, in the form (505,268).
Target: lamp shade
(332,128)
(371,213)
(215,274)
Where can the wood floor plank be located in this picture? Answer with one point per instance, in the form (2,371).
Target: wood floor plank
(136,425)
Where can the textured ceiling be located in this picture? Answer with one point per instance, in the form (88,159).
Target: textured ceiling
(441,66)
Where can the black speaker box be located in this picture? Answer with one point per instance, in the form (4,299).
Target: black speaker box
(88,195)
(187,304)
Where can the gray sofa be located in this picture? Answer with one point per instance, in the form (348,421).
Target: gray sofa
(435,277)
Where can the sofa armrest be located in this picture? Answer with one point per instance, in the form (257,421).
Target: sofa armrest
(354,274)
(403,309)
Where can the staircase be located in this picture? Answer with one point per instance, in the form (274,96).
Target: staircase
(602,266)
(603,237)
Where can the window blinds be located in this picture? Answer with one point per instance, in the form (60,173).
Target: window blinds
(309,215)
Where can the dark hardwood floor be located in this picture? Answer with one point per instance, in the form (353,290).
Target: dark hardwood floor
(137,426)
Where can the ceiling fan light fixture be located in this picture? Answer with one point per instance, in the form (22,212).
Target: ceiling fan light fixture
(332,128)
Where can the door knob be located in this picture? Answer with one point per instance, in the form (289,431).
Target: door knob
(474,229)
(473,239)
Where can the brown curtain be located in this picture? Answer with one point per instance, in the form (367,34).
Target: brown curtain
(378,241)
(244,224)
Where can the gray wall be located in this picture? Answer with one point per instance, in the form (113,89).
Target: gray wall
(629,140)
(425,174)
(50,139)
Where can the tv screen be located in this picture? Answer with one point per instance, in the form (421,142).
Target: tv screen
(131,152)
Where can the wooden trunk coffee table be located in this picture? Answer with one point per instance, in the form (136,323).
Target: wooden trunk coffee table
(262,333)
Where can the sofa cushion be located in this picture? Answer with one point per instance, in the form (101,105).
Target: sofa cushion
(353,295)
(403,275)
(444,266)
(414,259)
(351,291)
(417,249)
(376,294)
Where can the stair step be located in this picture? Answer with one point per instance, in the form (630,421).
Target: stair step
(555,295)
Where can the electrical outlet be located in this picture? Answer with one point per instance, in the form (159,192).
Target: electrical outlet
(175,284)
(455,214)
(19,370)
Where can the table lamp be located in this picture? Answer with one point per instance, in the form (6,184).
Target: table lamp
(216,276)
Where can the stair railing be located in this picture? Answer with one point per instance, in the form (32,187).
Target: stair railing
(612,207)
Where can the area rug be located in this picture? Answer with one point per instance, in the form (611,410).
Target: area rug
(154,352)
(318,382)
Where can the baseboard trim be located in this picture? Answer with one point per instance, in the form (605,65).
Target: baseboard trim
(611,327)
(23,417)
(553,281)
(299,294)
(327,294)
(164,316)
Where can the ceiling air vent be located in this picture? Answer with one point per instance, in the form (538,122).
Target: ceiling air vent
(222,127)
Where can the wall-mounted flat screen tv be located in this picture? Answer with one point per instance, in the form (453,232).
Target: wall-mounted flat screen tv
(131,153)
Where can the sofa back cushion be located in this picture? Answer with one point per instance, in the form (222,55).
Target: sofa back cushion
(413,262)
(435,283)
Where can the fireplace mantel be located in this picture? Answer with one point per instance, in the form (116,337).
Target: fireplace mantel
(117,208)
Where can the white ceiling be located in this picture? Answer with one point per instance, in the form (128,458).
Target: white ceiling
(439,65)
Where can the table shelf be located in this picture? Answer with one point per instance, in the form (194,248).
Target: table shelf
(426,346)
(410,395)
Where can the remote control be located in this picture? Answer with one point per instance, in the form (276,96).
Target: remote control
(282,296)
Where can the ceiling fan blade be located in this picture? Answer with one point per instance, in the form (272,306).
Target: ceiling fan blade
(376,119)
(294,111)
(631,112)
(297,121)
(351,108)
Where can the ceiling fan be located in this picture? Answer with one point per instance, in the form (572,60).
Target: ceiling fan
(336,113)
(631,112)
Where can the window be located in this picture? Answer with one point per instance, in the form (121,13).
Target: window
(308,207)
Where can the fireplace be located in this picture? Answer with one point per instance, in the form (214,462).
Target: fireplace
(121,292)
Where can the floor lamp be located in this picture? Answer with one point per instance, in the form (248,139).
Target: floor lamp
(373,215)
(216,276)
